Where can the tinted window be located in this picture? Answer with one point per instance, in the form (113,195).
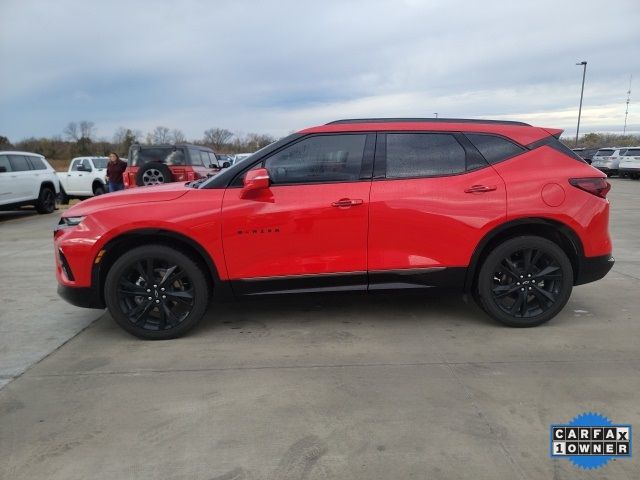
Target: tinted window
(166,155)
(37,163)
(603,153)
(423,155)
(19,163)
(196,159)
(213,160)
(325,158)
(494,149)
(75,164)
(4,162)
(632,152)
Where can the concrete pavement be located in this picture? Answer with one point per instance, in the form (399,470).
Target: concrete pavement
(350,386)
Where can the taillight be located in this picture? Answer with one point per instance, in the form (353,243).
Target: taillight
(597,186)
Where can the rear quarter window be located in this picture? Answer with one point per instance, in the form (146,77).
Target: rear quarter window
(37,163)
(493,148)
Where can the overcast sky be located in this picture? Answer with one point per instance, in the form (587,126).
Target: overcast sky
(277,66)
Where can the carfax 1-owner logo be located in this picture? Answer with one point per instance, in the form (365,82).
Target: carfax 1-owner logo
(590,440)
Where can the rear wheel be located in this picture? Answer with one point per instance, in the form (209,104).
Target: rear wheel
(46,202)
(525,281)
(156,292)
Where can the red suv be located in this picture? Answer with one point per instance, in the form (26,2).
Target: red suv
(156,164)
(498,209)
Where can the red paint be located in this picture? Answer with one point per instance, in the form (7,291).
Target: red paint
(350,227)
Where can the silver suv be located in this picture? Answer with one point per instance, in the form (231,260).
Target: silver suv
(607,160)
(27,179)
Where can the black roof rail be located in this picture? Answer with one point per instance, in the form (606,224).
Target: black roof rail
(432,120)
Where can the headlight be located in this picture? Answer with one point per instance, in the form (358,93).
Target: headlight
(69,222)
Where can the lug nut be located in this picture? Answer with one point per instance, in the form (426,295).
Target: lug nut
(150,298)
(162,289)
(157,301)
(164,296)
(528,275)
(518,283)
(155,286)
(529,288)
(522,289)
(521,276)
(148,290)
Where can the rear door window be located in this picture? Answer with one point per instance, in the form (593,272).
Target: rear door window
(493,148)
(19,163)
(411,155)
(632,152)
(318,159)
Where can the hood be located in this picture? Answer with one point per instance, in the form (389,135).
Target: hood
(160,193)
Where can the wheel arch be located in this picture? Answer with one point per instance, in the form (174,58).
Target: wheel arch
(561,234)
(115,247)
(47,184)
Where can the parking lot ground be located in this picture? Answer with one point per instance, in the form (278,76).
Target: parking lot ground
(350,387)
(33,320)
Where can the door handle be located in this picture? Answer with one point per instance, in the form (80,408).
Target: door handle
(347,202)
(481,188)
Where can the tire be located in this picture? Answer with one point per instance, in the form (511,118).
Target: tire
(99,189)
(46,202)
(64,198)
(136,300)
(504,274)
(153,173)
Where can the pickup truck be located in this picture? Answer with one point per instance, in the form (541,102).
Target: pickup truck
(85,178)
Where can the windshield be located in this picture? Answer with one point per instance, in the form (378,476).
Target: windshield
(603,153)
(100,163)
(166,155)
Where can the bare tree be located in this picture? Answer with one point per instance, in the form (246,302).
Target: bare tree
(159,135)
(71,132)
(217,137)
(178,136)
(87,129)
(119,135)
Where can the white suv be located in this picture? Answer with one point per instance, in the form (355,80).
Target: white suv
(630,163)
(27,179)
(607,160)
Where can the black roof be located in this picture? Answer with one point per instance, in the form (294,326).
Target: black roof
(431,120)
(171,145)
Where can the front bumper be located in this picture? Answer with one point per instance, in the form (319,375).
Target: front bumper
(591,269)
(85,297)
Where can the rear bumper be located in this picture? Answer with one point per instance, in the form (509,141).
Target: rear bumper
(85,297)
(591,269)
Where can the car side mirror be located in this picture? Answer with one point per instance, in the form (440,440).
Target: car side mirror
(3,169)
(257,179)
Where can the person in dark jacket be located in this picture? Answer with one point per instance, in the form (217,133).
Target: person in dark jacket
(115,169)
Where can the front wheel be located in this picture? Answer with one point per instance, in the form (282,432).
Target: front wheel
(525,281)
(156,292)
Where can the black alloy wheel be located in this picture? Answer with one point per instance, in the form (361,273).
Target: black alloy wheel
(525,281)
(156,292)
(46,200)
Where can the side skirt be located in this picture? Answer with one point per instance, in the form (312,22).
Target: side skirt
(418,278)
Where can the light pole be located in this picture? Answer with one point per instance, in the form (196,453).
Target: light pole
(584,73)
